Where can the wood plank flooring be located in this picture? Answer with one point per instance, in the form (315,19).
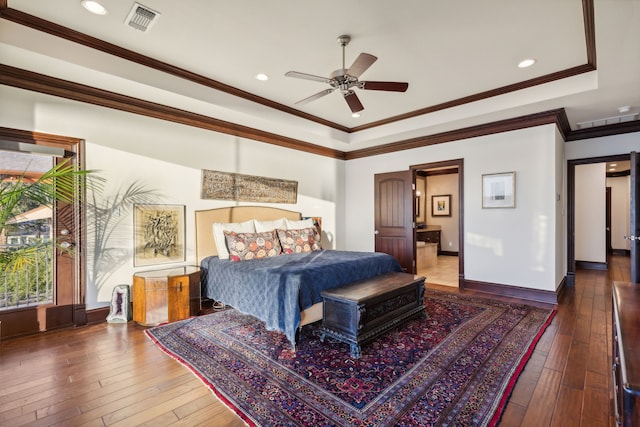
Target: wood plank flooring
(112,375)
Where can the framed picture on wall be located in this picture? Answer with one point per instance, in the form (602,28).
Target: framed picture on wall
(158,234)
(499,190)
(441,205)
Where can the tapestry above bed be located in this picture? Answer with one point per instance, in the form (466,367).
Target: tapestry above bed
(277,289)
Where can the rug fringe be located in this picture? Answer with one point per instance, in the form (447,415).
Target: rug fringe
(186,335)
(226,402)
(514,378)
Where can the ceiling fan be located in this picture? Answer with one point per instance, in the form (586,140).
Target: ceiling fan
(347,79)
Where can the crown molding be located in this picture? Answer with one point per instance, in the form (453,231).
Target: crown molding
(41,83)
(558,116)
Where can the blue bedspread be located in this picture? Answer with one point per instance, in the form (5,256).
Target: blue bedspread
(276,290)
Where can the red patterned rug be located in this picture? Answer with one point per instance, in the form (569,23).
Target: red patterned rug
(455,366)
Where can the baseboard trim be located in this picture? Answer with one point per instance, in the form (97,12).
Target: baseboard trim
(448,253)
(548,297)
(589,265)
(98,315)
(79,314)
(562,287)
(625,252)
(570,279)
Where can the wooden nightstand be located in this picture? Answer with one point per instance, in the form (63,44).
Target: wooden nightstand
(166,295)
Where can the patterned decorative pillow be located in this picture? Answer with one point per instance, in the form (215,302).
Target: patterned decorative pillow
(247,246)
(221,241)
(300,240)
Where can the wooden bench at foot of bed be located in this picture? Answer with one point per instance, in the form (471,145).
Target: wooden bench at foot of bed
(364,310)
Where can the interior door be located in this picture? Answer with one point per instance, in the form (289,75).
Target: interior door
(607,222)
(394,217)
(634,230)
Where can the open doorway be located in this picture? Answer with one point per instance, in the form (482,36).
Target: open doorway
(439,236)
(599,207)
(59,300)
(397,207)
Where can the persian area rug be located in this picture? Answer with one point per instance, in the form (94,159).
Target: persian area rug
(455,365)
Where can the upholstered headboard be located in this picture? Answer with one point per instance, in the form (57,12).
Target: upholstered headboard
(205,243)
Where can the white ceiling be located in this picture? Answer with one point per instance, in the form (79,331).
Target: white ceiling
(445,50)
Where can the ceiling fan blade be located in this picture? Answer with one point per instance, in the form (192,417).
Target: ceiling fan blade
(361,64)
(353,101)
(315,96)
(388,86)
(306,76)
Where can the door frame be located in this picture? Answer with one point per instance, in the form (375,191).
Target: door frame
(444,164)
(68,308)
(607,221)
(634,216)
(571,206)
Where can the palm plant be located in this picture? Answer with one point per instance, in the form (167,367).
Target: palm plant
(108,241)
(59,184)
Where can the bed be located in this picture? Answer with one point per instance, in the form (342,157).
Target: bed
(283,291)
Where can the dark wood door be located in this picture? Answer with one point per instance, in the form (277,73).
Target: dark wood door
(394,217)
(68,307)
(607,222)
(634,230)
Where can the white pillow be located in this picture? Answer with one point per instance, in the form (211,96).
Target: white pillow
(297,225)
(218,234)
(263,226)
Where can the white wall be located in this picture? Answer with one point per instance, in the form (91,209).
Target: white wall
(620,211)
(590,236)
(506,246)
(449,230)
(522,246)
(605,146)
(561,209)
(168,158)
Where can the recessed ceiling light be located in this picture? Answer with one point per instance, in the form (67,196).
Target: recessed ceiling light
(526,63)
(262,77)
(355,115)
(94,7)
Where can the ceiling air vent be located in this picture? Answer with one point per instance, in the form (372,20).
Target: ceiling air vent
(141,17)
(608,121)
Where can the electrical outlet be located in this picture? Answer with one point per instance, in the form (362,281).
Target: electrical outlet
(450,244)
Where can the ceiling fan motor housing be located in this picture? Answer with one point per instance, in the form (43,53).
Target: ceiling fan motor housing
(341,80)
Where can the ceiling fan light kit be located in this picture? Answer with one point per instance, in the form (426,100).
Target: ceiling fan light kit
(346,79)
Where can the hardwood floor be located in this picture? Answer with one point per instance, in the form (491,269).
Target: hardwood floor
(112,375)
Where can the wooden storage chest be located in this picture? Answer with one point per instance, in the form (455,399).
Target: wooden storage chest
(362,311)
